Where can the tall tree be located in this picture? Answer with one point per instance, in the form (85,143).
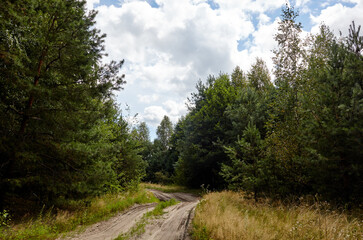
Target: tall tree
(164,132)
(286,115)
(205,130)
(332,124)
(259,76)
(54,92)
(142,132)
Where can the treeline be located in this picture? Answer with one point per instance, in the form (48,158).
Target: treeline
(300,135)
(62,135)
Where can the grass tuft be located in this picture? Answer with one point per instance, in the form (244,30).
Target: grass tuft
(229,215)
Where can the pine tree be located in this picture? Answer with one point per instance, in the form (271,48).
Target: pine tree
(54,92)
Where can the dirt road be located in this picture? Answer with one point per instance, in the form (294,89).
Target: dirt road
(113,227)
(172,225)
(175,223)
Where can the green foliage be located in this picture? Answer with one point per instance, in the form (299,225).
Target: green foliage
(301,136)
(162,154)
(246,171)
(334,118)
(259,77)
(164,132)
(61,136)
(4,218)
(200,146)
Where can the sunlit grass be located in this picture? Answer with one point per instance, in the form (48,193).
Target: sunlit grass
(171,188)
(51,224)
(229,215)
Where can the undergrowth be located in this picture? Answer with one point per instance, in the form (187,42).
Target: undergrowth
(54,222)
(230,215)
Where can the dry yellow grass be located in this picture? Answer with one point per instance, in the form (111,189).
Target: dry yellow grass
(228,215)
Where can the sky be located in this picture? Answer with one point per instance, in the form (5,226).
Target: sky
(169,45)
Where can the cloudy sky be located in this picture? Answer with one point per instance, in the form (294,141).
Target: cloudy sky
(168,45)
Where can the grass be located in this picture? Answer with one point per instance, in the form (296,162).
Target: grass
(171,188)
(53,223)
(139,227)
(230,215)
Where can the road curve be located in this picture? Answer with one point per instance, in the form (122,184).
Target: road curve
(173,225)
(113,227)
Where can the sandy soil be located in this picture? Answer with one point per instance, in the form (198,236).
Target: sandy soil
(113,227)
(174,224)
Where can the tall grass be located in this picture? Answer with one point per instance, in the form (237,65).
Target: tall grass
(230,215)
(51,224)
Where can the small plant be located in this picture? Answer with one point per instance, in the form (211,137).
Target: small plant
(4,218)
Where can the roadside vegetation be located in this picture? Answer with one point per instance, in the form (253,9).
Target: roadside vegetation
(234,216)
(75,216)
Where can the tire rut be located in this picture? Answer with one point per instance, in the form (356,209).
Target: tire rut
(113,227)
(174,224)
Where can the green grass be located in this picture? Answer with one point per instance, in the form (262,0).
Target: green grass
(171,188)
(139,227)
(50,225)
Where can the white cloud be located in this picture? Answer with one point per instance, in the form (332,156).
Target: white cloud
(175,109)
(300,3)
(338,17)
(169,48)
(91,3)
(153,115)
(251,5)
(147,98)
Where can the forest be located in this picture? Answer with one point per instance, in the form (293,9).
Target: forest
(62,134)
(300,134)
(296,131)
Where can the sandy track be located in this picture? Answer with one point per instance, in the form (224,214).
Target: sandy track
(173,224)
(113,227)
(182,197)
